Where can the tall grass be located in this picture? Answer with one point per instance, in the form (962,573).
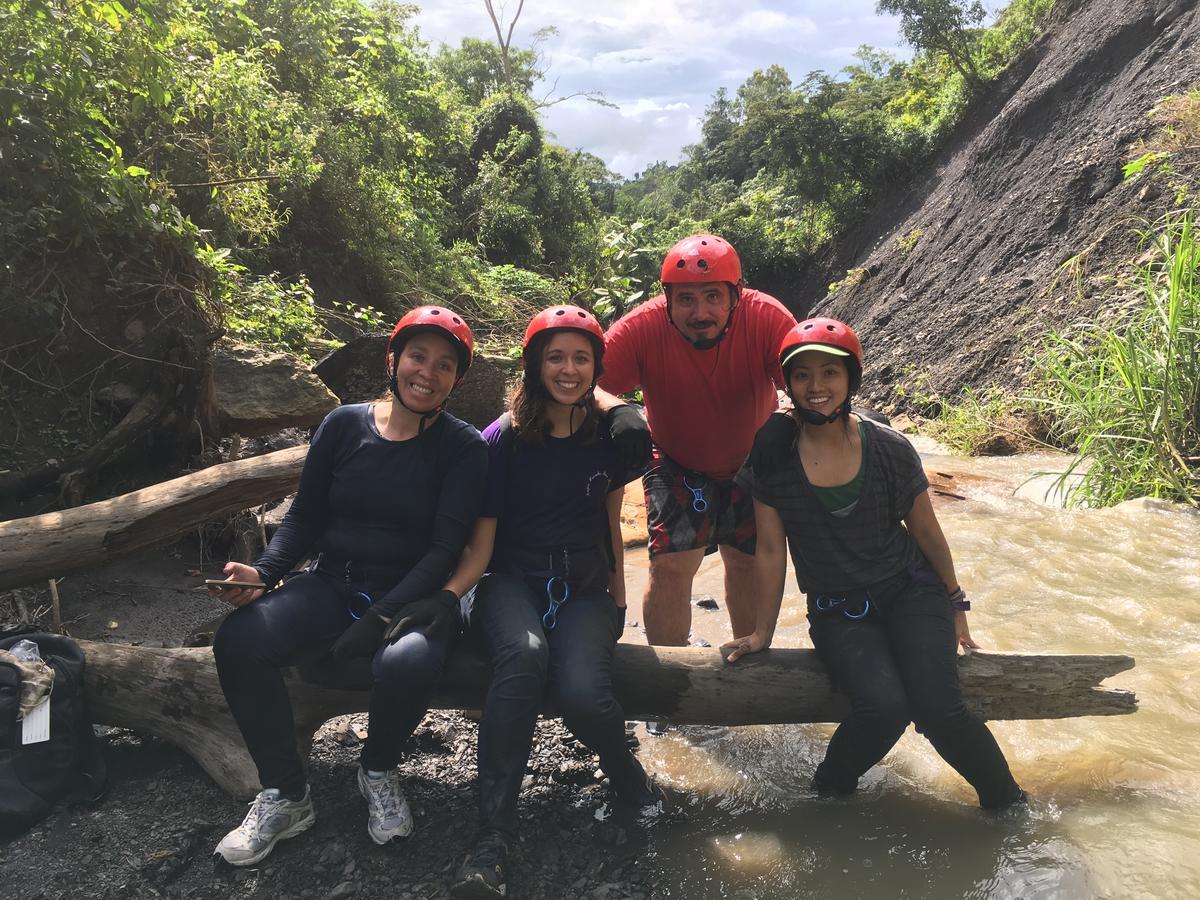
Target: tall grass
(1124,393)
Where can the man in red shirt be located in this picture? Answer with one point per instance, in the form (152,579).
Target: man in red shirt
(706,356)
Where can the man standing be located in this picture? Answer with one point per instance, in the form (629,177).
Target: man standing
(706,356)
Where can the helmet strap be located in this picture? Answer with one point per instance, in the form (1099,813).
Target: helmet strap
(812,417)
(707,343)
(426,417)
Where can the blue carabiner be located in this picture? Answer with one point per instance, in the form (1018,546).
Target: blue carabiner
(825,603)
(361,610)
(699,504)
(550,617)
(862,615)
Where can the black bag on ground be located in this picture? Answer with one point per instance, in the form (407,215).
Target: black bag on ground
(34,777)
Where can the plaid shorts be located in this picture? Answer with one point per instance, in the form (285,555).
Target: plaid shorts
(686,510)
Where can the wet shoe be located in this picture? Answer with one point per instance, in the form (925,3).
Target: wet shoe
(484,872)
(638,793)
(271,819)
(388,815)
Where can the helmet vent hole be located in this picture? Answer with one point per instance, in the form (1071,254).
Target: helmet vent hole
(702,263)
(680,264)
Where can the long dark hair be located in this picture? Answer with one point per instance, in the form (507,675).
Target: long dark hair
(529,399)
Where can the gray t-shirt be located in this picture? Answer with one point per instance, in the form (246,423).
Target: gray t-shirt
(834,554)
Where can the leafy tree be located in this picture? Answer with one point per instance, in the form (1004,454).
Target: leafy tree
(943,26)
(476,68)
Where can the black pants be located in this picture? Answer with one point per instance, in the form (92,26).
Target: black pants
(573,662)
(297,623)
(899,664)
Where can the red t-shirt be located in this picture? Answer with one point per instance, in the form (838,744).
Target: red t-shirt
(703,406)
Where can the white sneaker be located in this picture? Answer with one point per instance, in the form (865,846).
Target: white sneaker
(388,815)
(271,819)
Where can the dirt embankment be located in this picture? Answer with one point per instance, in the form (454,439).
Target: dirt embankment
(955,275)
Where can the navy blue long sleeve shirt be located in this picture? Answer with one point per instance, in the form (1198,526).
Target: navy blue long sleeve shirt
(402,510)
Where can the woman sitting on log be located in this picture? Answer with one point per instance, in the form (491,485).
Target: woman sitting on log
(886,613)
(551,607)
(389,493)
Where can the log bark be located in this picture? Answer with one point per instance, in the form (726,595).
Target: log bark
(174,694)
(50,545)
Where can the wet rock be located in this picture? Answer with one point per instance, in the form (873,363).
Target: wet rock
(345,889)
(259,392)
(704,601)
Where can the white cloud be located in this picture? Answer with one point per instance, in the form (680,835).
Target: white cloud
(661,62)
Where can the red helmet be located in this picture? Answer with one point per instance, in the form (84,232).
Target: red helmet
(438,319)
(828,335)
(701,258)
(560,318)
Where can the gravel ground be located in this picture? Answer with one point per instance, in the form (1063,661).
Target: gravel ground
(154,832)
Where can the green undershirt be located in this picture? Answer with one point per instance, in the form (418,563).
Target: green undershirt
(841,499)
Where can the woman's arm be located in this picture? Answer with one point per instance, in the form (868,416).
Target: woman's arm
(452,525)
(616,583)
(475,557)
(923,525)
(308,516)
(770,555)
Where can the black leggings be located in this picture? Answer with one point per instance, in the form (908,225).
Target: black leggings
(297,623)
(899,664)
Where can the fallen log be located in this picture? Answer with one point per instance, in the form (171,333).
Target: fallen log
(174,694)
(53,544)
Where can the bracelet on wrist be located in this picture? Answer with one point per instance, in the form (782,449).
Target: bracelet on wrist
(959,601)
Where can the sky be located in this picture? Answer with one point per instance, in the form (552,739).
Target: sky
(661,62)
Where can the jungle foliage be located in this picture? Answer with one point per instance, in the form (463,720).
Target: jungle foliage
(264,160)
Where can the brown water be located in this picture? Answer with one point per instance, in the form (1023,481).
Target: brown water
(1116,801)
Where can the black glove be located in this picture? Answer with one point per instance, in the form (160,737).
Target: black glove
(630,437)
(774,443)
(436,613)
(362,638)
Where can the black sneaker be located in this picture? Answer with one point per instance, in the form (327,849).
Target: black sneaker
(483,874)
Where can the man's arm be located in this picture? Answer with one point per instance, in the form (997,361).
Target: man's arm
(770,555)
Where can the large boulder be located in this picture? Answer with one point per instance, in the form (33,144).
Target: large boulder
(259,392)
(355,373)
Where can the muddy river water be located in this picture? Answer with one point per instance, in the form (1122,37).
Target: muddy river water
(1116,800)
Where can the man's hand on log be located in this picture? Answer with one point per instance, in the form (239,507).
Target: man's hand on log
(362,638)
(236,571)
(739,647)
(962,633)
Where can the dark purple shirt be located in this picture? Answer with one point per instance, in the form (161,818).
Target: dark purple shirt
(549,498)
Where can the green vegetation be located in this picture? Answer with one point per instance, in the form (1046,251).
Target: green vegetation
(1124,393)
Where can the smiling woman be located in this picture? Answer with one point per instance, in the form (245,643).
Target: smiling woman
(387,497)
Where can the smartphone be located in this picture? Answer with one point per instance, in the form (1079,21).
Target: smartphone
(222,585)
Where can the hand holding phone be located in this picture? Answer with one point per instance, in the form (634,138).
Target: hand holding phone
(241,587)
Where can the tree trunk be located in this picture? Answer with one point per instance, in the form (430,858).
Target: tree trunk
(174,694)
(50,545)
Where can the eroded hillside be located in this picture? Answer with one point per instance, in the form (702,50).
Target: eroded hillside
(952,276)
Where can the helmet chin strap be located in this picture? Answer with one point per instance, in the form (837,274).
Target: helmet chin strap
(708,343)
(426,417)
(812,417)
